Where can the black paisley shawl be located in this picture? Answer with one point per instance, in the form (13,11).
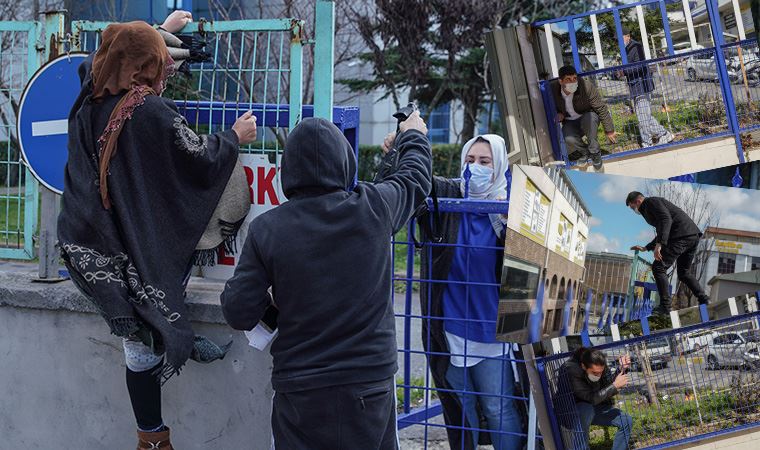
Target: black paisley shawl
(164,183)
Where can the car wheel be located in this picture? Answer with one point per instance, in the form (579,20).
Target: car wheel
(692,75)
(712,362)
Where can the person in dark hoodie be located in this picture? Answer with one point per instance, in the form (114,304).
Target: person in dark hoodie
(140,189)
(326,253)
(593,386)
(640,84)
(676,243)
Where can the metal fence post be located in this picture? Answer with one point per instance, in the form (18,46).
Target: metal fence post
(725,83)
(296,74)
(48,242)
(324,35)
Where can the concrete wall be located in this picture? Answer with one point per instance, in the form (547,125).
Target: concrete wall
(679,160)
(62,376)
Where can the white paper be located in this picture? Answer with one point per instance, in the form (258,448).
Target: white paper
(259,338)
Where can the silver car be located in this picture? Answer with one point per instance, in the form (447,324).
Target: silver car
(735,349)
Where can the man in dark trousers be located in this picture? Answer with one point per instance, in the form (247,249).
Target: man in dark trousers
(676,242)
(579,109)
(640,84)
(326,253)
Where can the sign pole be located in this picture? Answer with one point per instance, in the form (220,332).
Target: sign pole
(49,207)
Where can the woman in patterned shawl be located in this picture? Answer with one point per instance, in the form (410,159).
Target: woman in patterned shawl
(140,189)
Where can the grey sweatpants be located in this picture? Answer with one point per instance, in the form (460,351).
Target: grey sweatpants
(649,127)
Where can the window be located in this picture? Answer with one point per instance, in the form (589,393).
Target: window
(755,263)
(174,4)
(558,313)
(726,263)
(439,123)
(519,280)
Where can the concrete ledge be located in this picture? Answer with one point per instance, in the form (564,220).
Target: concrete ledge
(19,289)
(740,440)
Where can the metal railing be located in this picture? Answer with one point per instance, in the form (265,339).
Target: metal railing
(679,92)
(692,111)
(685,384)
(414,280)
(18,189)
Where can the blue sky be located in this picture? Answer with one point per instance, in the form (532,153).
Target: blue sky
(615,228)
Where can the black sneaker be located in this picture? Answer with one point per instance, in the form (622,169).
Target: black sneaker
(703,299)
(597,159)
(661,311)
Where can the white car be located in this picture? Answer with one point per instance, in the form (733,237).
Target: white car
(701,66)
(738,349)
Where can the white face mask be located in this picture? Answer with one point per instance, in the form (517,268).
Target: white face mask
(571,87)
(593,378)
(481,179)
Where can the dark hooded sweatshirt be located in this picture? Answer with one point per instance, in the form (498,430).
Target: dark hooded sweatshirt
(326,253)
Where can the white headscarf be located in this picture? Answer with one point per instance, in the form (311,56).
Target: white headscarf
(498,187)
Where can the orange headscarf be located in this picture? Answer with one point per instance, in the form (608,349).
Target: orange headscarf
(133,58)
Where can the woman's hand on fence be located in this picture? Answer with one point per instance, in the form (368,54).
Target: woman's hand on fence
(177,21)
(620,381)
(638,248)
(245,127)
(560,118)
(612,137)
(388,142)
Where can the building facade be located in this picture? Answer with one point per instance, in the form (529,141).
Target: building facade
(729,251)
(546,238)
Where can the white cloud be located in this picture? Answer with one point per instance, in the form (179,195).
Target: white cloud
(645,236)
(614,189)
(738,221)
(598,242)
(594,222)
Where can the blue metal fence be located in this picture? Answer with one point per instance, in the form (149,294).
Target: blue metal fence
(419,405)
(696,95)
(687,384)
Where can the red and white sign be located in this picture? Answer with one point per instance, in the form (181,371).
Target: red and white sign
(266,193)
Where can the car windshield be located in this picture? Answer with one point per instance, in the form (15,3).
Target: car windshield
(656,343)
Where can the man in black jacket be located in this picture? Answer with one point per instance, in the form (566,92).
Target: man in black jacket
(676,242)
(641,85)
(326,253)
(593,387)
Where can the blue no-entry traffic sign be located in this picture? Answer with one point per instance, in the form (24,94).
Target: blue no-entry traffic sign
(42,122)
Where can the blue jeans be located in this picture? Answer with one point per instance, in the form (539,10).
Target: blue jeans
(606,416)
(494,377)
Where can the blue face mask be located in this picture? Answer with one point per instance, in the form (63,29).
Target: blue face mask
(481,179)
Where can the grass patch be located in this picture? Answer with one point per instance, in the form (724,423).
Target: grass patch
(11,222)
(401,250)
(677,418)
(416,393)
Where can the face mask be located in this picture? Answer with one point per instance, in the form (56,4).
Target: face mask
(571,87)
(480,180)
(593,378)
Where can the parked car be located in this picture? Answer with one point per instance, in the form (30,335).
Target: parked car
(658,351)
(738,349)
(701,66)
(697,340)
